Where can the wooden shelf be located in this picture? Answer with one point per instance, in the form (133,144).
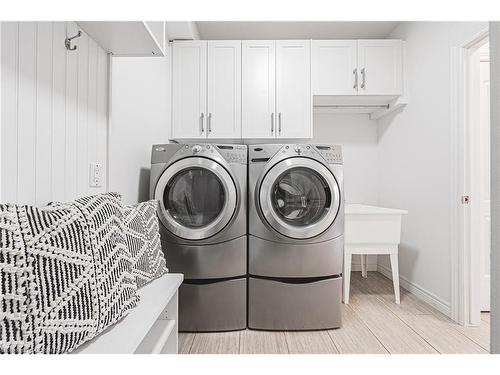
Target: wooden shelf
(128,38)
(377,106)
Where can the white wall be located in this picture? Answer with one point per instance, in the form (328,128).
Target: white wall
(54,112)
(358,136)
(415,155)
(140,117)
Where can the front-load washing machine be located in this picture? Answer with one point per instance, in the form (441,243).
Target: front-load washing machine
(202,193)
(295,242)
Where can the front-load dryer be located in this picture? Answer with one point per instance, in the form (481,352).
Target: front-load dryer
(202,193)
(295,242)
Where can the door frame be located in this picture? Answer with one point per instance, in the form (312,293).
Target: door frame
(1,140)
(464,306)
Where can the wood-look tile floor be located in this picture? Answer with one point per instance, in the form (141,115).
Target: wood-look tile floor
(371,323)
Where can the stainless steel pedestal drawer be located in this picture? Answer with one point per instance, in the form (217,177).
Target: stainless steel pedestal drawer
(294,304)
(213,306)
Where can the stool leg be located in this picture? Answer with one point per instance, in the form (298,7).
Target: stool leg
(395,276)
(347,276)
(363,266)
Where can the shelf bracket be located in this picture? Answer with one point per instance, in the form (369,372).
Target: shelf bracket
(396,105)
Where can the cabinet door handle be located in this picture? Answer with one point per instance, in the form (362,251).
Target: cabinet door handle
(355,73)
(272,123)
(279,123)
(202,119)
(210,122)
(363,78)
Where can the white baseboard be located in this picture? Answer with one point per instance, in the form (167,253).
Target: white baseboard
(369,267)
(419,292)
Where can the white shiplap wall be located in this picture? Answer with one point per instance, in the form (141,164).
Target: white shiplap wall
(54,112)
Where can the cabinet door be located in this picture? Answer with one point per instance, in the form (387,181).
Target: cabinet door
(293,88)
(189,96)
(380,67)
(224,89)
(258,117)
(334,67)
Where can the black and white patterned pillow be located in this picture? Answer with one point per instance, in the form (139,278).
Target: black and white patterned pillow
(143,240)
(65,273)
(16,325)
(115,282)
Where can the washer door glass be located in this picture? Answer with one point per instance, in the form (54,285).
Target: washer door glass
(197,196)
(300,196)
(194,197)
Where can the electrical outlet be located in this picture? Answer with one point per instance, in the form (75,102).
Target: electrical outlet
(95,177)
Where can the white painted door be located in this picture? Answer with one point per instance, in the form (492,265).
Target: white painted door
(484,176)
(380,67)
(334,67)
(224,89)
(293,88)
(258,117)
(189,96)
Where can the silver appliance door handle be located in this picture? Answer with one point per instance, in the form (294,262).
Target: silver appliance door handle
(210,122)
(363,78)
(279,123)
(202,119)
(355,73)
(272,123)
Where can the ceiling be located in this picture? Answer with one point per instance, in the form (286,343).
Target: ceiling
(214,30)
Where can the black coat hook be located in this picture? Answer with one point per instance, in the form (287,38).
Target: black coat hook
(67,41)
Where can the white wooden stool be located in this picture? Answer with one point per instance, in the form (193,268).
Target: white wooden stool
(349,250)
(371,230)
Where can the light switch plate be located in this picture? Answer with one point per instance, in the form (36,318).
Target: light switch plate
(95,176)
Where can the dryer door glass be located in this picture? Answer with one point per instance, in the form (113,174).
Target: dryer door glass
(301,196)
(194,197)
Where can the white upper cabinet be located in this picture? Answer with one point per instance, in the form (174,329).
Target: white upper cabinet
(258,89)
(293,88)
(224,89)
(230,89)
(357,67)
(380,67)
(334,69)
(206,96)
(189,100)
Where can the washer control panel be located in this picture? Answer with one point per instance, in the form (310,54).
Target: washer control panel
(233,153)
(197,149)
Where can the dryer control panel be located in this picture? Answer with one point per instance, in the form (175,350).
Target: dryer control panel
(331,154)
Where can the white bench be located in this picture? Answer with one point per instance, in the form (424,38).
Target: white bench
(151,327)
